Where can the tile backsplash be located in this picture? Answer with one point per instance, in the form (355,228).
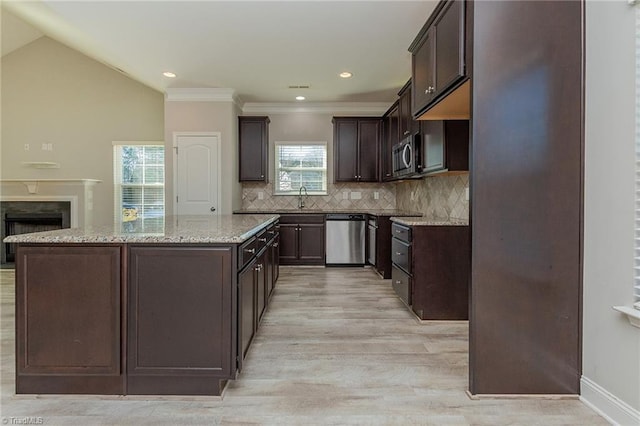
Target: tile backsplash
(335,198)
(438,196)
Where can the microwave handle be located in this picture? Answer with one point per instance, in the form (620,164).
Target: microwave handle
(405,160)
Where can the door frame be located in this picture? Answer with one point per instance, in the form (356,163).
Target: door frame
(218,172)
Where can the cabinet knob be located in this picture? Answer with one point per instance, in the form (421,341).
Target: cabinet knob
(250,250)
(261,176)
(388,174)
(213,209)
(276,244)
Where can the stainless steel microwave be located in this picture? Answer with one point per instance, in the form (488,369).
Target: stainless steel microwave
(405,157)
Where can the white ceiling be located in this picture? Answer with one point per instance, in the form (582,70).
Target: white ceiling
(258,48)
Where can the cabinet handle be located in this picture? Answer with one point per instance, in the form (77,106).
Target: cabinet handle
(250,250)
(398,231)
(406,132)
(261,176)
(276,244)
(398,282)
(388,174)
(263,240)
(259,267)
(398,253)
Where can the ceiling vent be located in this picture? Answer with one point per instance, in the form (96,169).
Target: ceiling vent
(302,86)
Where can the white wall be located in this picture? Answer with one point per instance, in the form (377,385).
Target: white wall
(54,94)
(206,116)
(611,346)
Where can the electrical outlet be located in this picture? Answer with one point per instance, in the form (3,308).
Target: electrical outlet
(26,147)
(49,147)
(376,195)
(345,195)
(356,195)
(413,195)
(44,146)
(260,195)
(466,193)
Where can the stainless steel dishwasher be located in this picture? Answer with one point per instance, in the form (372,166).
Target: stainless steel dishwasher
(345,239)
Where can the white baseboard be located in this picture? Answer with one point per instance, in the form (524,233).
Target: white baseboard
(600,400)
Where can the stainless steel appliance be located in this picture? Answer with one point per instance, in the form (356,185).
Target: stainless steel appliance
(372,227)
(345,239)
(406,157)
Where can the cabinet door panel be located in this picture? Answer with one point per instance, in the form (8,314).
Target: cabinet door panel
(247,304)
(369,142)
(68,319)
(311,240)
(261,282)
(179,311)
(346,150)
(390,138)
(253,141)
(288,242)
(423,63)
(432,145)
(449,45)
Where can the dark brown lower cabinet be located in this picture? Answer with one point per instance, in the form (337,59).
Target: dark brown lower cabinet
(441,272)
(247,309)
(180,320)
(302,239)
(383,247)
(68,319)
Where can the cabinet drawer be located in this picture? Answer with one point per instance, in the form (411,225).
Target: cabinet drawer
(401,282)
(401,232)
(302,218)
(261,240)
(247,251)
(401,254)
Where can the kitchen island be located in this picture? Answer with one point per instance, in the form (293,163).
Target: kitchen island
(143,307)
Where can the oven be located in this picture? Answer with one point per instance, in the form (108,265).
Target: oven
(404,157)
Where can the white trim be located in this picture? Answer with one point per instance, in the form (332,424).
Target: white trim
(137,143)
(71,198)
(202,95)
(606,404)
(350,108)
(176,135)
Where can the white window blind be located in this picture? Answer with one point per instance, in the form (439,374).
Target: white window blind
(636,283)
(301,164)
(139,182)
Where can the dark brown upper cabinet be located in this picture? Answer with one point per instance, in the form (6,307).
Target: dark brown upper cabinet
(438,60)
(407,125)
(254,148)
(356,146)
(445,145)
(390,137)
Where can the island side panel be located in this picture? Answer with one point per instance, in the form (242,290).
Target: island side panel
(180,319)
(68,319)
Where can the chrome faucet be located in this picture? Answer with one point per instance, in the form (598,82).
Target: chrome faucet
(300,199)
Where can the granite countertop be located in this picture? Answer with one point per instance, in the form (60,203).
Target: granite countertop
(374,212)
(425,221)
(174,229)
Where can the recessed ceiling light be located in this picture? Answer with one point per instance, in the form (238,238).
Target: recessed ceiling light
(169,74)
(300,98)
(345,74)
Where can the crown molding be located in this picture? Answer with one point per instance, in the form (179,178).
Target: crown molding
(349,108)
(202,95)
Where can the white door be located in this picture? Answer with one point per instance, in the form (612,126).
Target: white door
(197,170)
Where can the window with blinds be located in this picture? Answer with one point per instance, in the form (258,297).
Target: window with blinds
(139,182)
(636,283)
(301,164)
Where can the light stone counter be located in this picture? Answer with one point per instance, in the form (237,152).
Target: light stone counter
(423,221)
(374,212)
(173,229)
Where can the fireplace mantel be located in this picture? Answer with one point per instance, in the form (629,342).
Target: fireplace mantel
(32,184)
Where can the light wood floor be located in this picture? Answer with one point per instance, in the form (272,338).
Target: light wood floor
(335,347)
